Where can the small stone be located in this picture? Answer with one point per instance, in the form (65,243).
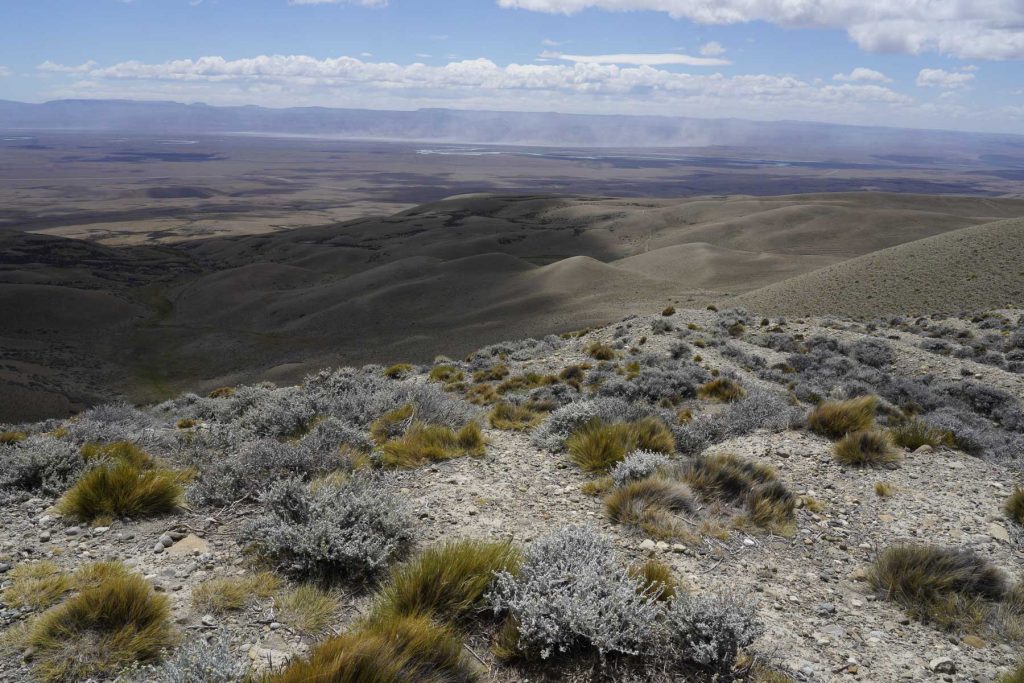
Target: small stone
(44,536)
(924,449)
(859,574)
(662,545)
(678,548)
(998,532)
(100,530)
(72,531)
(166,541)
(648,544)
(942,665)
(209,620)
(158,547)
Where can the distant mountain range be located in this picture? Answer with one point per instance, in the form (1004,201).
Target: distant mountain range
(507,128)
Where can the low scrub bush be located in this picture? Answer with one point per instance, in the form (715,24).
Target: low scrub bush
(105,627)
(564,421)
(123,490)
(936,584)
(397,650)
(423,443)
(598,445)
(1014,506)
(445,583)
(710,630)
(346,531)
(835,419)
(871,352)
(196,661)
(511,417)
(722,389)
(572,592)
(39,465)
(869,448)
(638,465)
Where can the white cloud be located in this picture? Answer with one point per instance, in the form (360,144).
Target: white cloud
(4,71)
(939,78)
(640,59)
(52,67)
(985,29)
(364,3)
(547,42)
(712,49)
(862,74)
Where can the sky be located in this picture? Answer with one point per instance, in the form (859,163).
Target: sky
(950,64)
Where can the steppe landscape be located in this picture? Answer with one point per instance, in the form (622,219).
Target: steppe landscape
(511,341)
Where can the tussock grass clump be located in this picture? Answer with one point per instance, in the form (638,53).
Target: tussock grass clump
(423,443)
(915,433)
(651,505)
(883,490)
(108,625)
(392,424)
(446,374)
(495,373)
(724,476)
(939,585)
(392,651)
(573,374)
(599,351)
(598,445)
(509,417)
(525,382)
(770,505)
(308,609)
(1014,506)
(656,578)
(835,419)
(671,310)
(1015,676)
(722,389)
(398,370)
(12,437)
(222,392)
(482,395)
(36,585)
(445,583)
(120,451)
(234,593)
(186,423)
(122,490)
(870,448)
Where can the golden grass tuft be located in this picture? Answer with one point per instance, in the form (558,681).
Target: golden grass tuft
(656,577)
(36,585)
(724,476)
(222,392)
(525,382)
(597,487)
(186,423)
(392,423)
(482,394)
(234,593)
(509,417)
(423,443)
(915,433)
(391,651)
(883,490)
(108,625)
(1014,506)
(445,583)
(866,449)
(398,370)
(651,504)
(308,609)
(1015,676)
(119,451)
(722,389)
(445,374)
(597,445)
(835,419)
(671,310)
(122,490)
(771,506)
(599,351)
(12,437)
(495,373)
(944,586)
